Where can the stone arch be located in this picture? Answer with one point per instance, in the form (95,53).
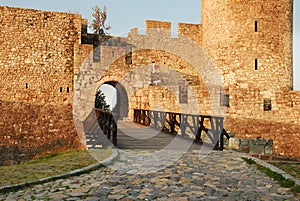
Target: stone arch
(122,106)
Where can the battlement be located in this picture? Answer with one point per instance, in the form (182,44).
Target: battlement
(192,31)
(159,25)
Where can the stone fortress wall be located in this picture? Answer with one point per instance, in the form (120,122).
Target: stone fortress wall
(251,42)
(42,61)
(36,65)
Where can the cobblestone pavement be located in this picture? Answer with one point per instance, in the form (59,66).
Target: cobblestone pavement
(218,176)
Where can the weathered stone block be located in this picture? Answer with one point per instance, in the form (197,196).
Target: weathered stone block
(257,149)
(257,142)
(261,142)
(268,150)
(244,142)
(245,149)
(234,143)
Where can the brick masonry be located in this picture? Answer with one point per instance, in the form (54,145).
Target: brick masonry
(44,60)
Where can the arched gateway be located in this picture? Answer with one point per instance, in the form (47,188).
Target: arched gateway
(150,72)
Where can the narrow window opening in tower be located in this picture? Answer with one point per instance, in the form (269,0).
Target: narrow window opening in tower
(26,85)
(60,89)
(68,89)
(256,26)
(256,64)
(267,104)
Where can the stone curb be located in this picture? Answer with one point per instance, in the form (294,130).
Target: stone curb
(272,167)
(76,172)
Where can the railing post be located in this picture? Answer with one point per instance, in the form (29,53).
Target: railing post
(183,123)
(221,129)
(155,118)
(172,123)
(200,128)
(140,116)
(115,132)
(147,118)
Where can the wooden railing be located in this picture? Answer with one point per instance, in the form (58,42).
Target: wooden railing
(97,123)
(100,129)
(107,124)
(197,125)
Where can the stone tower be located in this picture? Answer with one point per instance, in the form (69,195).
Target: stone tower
(251,42)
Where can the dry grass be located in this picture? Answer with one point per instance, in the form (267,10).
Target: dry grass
(50,165)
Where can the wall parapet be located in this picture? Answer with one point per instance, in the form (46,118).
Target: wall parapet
(191,31)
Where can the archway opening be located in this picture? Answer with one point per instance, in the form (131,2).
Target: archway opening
(116,97)
(110,95)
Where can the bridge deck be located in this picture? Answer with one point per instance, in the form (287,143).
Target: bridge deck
(136,136)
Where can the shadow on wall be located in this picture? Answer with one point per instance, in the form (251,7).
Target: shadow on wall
(29,130)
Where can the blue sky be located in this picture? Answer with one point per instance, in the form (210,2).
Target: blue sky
(126,14)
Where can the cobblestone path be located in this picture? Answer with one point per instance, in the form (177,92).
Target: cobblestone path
(218,176)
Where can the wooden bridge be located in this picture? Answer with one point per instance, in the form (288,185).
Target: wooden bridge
(152,130)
